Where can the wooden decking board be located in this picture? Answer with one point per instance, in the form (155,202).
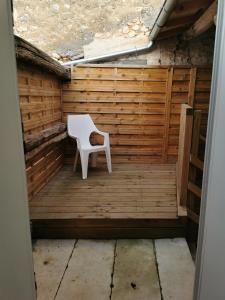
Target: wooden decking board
(105,193)
(71,207)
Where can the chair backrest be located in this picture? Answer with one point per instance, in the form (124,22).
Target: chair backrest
(80,126)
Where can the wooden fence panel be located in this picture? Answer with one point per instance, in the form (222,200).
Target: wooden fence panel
(139,106)
(41,108)
(40,99)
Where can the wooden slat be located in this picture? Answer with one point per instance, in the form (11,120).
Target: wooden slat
(135,101)
(195,189)
(196,162)
(167,113)
(40,105)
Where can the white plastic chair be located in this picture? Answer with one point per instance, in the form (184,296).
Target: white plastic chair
(80,127)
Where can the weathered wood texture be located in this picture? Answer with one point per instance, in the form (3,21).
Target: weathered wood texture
(33,141)
(196,164)
(196,168)
(41,110)
(133,201)
(186,121)
(183,16)
(205,21)
(28,53)
(139,107)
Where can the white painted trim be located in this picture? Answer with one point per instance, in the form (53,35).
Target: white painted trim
(16,266)
(210,268)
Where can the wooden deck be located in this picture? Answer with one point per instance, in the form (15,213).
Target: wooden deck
(133,201)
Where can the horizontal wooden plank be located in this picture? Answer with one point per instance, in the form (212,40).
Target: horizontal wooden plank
(195,189)
(26,90)
(110,108)
(196,162)
(40,106)
(118,73)
(41,121)
(111,97)
(120,86)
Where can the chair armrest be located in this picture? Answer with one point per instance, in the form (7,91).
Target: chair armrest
(105,134)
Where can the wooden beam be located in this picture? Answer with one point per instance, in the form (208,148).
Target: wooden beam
(193,216)
(29,155)
(195,189)
(203,23)
(196,162)
(32,141)
(186,122)
(27,53)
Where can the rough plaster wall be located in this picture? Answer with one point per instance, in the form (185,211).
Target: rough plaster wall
(178,52)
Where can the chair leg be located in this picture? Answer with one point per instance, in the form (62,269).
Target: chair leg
(84,163)
(108,160)
(75,160)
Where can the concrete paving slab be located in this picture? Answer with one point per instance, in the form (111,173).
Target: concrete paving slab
(176,269)
(88,276)
(50,260)
(135,272)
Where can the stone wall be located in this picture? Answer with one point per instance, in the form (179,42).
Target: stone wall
(177,52)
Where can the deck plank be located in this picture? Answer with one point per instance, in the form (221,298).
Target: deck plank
(129,192)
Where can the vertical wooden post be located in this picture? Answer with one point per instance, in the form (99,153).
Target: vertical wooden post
(191,92)
(185,135)
(194,151)
(167,114)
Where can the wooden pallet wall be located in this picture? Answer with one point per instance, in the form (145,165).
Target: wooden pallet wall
(40,105)
(138,106)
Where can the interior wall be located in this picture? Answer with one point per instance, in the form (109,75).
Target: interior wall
(40,106)
(138,106)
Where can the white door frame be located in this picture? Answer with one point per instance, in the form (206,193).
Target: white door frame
(16,266)
(210,268)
